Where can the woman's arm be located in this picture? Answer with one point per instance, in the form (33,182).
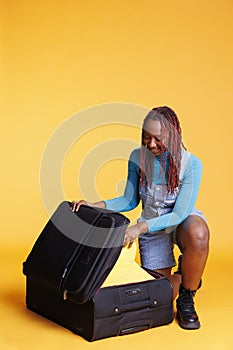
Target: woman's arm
(131,198)
(185,200)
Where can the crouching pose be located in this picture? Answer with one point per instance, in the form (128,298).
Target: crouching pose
(166,178)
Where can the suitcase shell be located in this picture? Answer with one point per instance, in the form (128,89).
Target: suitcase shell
(67,266)
(76,250)
(113,311)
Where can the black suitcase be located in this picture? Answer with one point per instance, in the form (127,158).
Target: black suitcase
(67,266)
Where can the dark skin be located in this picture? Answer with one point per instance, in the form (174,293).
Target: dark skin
(192,235)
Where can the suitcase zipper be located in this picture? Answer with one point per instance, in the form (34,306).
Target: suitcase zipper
(73,259)
(92,288)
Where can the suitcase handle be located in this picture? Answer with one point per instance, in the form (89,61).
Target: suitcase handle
(134,329)
(137,306)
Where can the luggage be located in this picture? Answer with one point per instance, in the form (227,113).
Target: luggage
(67,266)
(88,241)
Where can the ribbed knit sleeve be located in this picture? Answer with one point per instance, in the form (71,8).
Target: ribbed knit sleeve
(131,198)
(185,200)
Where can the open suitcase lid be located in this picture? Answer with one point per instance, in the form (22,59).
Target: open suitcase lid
(76,251)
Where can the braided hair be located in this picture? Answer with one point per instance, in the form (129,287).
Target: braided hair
(170,127)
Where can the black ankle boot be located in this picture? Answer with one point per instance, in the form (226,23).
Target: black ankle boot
(179,271)
(186,314)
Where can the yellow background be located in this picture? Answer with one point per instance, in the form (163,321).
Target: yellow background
(61,57)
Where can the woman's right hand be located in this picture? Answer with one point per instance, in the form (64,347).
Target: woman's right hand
(76,204)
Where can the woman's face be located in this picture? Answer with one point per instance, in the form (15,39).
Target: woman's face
(152,137)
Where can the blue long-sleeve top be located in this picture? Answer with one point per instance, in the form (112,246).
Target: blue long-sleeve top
(185,200)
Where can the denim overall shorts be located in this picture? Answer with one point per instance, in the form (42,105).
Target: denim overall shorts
(156,248)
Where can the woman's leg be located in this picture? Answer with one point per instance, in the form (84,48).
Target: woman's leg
(192,237)
(193,240)
(174,279)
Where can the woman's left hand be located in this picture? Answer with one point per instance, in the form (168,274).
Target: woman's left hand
(133,232)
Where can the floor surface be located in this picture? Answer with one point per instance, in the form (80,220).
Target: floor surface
(23,330)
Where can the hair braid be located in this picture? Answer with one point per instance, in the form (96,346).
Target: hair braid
(173,142)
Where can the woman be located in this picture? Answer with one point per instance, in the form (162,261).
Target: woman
(166,178)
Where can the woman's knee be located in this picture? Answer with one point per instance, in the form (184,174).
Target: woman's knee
(193,233)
